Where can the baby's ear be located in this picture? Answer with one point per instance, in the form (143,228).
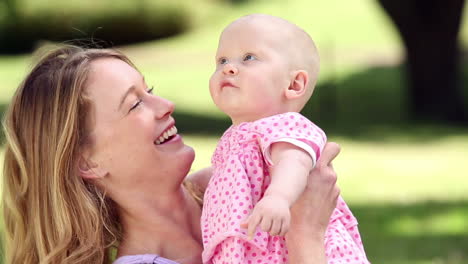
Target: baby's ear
(89,169)
(298,85)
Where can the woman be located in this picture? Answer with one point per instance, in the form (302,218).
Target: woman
(93,160)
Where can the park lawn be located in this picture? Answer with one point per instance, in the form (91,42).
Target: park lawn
(409,191)
(12,70)
(1,170)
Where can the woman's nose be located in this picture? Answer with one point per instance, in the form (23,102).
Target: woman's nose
(163,107)
(230,69)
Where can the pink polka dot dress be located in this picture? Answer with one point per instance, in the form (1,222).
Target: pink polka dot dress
(240,177)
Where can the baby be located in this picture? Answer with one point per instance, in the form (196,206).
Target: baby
(266,71)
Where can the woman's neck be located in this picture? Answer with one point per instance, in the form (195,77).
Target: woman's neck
(168,226)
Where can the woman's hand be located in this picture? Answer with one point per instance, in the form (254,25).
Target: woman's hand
(311,212)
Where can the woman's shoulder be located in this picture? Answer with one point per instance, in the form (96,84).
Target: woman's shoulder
(143,259)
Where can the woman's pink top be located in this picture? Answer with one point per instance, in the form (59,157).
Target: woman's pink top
(241,164)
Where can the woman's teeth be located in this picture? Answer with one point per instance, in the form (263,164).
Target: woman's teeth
(166,135)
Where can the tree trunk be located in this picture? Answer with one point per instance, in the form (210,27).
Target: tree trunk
(429,30)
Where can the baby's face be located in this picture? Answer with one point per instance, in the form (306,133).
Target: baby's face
(251,72)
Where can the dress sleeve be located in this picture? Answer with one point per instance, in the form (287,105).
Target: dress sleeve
(292,128)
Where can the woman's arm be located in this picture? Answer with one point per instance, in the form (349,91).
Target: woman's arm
(311,212)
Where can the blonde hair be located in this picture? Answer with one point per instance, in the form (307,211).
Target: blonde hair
(51,215)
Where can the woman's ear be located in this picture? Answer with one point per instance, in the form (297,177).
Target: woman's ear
(298,85)
(90,170)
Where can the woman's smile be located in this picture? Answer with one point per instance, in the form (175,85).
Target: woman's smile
(166,136)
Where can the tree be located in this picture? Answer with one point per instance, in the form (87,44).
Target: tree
(429,30)
(11,7)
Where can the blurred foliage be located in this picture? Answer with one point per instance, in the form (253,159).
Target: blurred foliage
(25,23)
(403,180)
(349,104)
(236,1)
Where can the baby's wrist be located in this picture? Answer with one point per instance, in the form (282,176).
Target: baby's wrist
(279,196)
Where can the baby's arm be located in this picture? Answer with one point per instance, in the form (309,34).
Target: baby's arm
(289,174)
(291,168)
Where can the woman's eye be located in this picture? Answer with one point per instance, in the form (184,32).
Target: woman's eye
(249,57)
(135,105)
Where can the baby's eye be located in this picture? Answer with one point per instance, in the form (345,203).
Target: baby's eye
(249,57)
(222,61)
(150,91)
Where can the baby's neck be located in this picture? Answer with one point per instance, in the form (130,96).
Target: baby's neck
(244,119)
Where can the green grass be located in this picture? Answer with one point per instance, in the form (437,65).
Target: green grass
(1,170)
(12,70)
(406,183)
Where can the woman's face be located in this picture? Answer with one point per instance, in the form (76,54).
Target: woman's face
(134,140)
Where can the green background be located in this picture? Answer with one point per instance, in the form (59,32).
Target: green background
(406,182)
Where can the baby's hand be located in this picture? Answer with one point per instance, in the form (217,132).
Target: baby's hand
(272,214)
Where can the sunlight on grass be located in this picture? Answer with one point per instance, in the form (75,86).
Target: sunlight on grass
(404,171)
(372,172)
(391,181)
(188,88)
(12,70)
(452,222)
(1,169)
(204,147)
(464,27)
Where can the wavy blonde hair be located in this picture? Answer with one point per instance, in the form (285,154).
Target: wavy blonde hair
(51,215)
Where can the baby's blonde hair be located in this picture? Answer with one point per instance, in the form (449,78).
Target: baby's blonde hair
(51,215)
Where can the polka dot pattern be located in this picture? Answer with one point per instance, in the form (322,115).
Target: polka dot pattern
(343,244)
(239,180)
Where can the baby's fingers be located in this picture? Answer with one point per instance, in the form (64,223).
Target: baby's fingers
(245,223)
(266,224)
(254,221)
(276,228)
(285,226)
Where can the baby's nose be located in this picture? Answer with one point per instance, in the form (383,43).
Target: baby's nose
(230,69)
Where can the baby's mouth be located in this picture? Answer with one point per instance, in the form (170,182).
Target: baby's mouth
(227,84)
(166,136)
